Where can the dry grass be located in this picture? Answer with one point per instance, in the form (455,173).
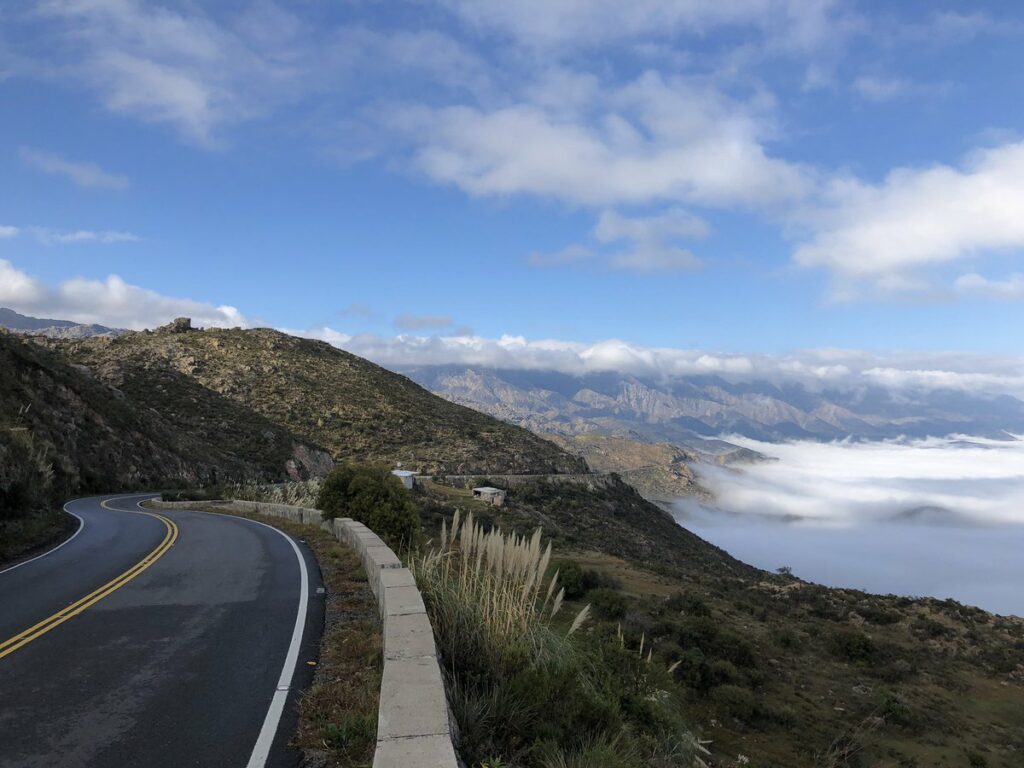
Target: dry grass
(297,494)
(493,584)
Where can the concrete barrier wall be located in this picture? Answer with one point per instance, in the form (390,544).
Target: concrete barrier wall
(413,727)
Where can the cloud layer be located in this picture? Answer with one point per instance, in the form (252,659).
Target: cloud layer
(815,368)
(944,480)
(886,235)
(111,302)
(939,517)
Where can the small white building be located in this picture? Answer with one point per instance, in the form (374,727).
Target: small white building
(408,478)
(494,496)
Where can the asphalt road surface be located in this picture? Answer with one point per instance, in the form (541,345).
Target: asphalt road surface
(157,638)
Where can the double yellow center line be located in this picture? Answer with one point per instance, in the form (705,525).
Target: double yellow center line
(14,643)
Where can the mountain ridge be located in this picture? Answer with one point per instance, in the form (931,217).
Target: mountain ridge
(688,408)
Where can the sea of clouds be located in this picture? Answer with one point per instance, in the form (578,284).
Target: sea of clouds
(942,517)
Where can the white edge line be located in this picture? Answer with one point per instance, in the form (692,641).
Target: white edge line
(81,525)
(261,750)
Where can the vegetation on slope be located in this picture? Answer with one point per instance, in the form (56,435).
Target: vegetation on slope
(523,690)
(356,409)
(785,673)
(63,432)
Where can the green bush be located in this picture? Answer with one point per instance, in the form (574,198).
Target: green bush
(735,702)
(687,604)
(608,604)
(852,645)
(570,576)
(370,494)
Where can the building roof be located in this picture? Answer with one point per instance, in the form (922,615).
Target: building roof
(487,489)
(403,473)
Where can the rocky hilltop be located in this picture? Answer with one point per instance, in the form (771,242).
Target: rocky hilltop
(203,379)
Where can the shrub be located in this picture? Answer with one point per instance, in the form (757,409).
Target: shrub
(723,672)
(852,645)
(736,702)
(688,604)
(370,494)
(570,576)
(608,604)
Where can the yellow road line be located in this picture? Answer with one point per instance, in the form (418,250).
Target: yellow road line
(22,638)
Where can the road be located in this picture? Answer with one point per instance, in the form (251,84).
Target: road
(157,638)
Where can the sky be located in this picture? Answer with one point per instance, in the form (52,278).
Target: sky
(803,182)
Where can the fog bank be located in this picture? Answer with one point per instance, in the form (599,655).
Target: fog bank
(939,517)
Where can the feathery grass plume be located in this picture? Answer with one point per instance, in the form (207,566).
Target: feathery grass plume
(580,618)
(297,494)
(488,589)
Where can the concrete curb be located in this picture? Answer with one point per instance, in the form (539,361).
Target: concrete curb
(413,728)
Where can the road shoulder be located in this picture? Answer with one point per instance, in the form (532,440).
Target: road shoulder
(337,714)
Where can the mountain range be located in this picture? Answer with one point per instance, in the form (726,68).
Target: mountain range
(689,410)
(54,329)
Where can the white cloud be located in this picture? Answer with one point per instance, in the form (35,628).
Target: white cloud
(83,174)
(650,140)
(181,66)
(976,285)
(82,236)
(111,302)
(8,231)
(547,23)
(939,516)
(815,368)
(648,243)
(846,482)
(886,234)
(17,288)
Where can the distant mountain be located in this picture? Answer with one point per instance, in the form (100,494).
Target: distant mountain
(55,329)
(688,410)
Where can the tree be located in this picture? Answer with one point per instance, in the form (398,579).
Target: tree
(370,494)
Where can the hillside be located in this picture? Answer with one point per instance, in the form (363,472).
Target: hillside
(355,409)
(788,673)
(659,471)
(99,438)
(685,409)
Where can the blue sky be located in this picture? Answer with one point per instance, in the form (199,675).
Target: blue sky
(750,178)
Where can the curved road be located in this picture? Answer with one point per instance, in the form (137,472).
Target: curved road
(156,638)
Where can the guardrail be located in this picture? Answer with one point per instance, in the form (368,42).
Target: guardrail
(413,726)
